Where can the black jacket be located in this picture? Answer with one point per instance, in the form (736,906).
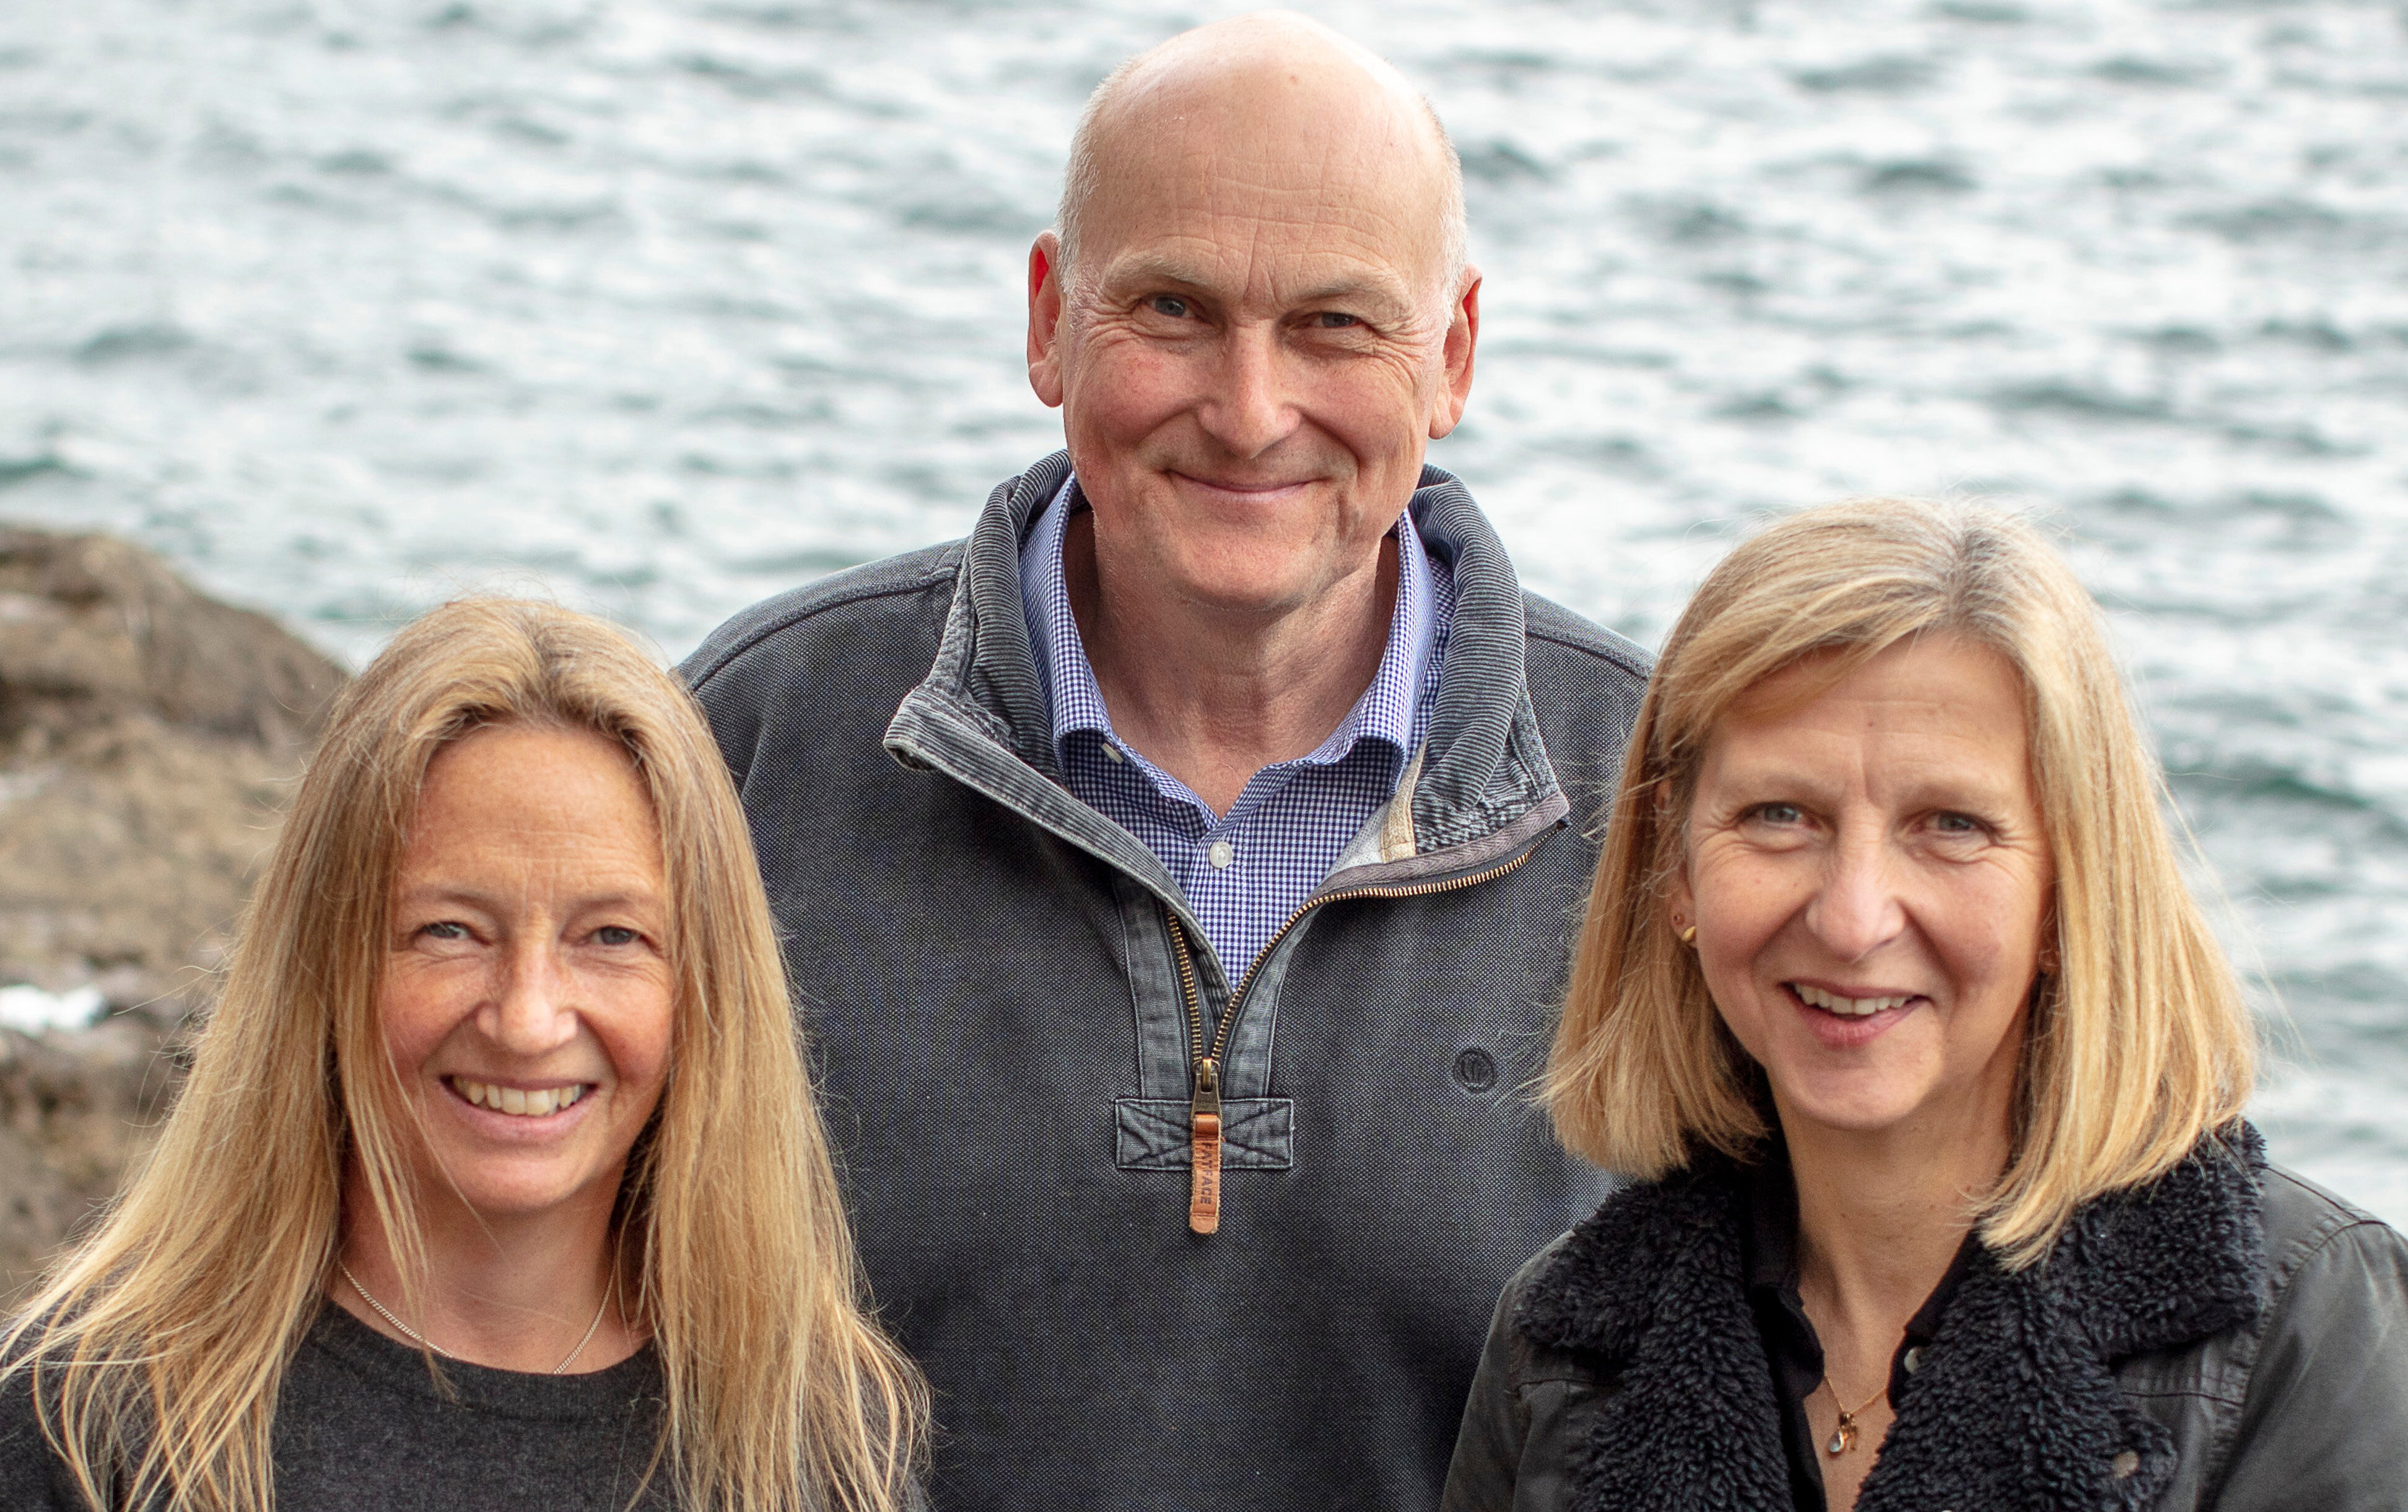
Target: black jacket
(1001,1015)
(2228,1336)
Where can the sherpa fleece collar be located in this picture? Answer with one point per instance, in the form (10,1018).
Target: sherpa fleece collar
(2016,1406)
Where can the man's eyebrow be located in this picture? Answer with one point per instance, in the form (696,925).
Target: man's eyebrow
(1350,291)
(1155,269)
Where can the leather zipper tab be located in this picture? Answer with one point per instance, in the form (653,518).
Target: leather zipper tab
(1204,1149)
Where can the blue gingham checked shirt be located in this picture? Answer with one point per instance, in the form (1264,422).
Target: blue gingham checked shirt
(1243,874)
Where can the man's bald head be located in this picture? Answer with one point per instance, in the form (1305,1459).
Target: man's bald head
(1273,82)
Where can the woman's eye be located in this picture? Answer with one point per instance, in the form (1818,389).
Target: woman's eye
(1171,304)
(615,935)
(1957,824)
(1779,813)
(444,929)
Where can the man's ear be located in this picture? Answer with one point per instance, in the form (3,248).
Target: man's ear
(1462,336)
(1045,319)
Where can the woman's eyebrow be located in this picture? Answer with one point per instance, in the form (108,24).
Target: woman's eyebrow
(436,895)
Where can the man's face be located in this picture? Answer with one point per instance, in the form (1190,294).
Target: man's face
(1257,346)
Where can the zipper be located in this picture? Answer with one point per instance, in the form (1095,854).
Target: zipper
(1204,1105)
(1204,1112)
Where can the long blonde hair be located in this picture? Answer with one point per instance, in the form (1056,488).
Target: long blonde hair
(2139,1042)
(156,1348)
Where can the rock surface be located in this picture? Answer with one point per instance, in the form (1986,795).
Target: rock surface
(149,737)
(77,1109)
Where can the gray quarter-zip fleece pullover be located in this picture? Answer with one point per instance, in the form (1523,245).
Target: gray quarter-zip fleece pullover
(1007,997)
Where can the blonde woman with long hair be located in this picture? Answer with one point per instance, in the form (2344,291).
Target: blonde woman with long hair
(496,1181)
(1893,1002)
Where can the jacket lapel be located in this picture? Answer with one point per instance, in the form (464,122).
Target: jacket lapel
(1651,1283)
(2016,1405)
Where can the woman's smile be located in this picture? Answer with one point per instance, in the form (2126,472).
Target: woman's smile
(516,1102)
(1846,1020)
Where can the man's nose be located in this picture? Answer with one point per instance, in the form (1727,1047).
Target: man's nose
(1247,408)
(532,1011)
(1857,909)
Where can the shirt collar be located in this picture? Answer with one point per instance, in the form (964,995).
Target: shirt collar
(1386,712)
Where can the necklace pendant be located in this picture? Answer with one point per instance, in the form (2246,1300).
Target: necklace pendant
(1843,1438)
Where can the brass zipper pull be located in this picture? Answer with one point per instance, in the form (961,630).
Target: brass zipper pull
(1204,1149)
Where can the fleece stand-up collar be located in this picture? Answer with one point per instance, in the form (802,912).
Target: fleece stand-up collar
(2015,1406)
(1481,787)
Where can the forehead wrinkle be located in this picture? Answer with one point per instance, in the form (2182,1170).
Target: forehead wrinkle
(1206,263)
(634,890)
(1172,167)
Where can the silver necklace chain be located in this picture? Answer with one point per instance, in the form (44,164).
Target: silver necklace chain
(420,1340)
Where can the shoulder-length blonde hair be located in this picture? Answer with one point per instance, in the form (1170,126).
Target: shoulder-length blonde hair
(157,1348)
(2138,1042)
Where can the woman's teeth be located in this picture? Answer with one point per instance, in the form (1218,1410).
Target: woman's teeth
(518,1101)
(1852,1008)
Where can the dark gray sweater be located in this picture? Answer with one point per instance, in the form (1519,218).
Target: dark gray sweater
(360,1424)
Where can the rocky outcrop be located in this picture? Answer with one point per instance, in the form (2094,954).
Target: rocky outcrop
(148,736)
(76,1111)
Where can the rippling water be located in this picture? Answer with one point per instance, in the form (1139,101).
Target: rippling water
(669,303)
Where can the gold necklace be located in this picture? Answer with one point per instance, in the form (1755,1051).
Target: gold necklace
(1843,1437)
(419,1339)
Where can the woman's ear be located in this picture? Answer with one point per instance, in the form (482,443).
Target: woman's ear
(1680,904)
(2051,960)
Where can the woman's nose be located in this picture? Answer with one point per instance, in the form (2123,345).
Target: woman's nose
(1856,910)
(532,1012)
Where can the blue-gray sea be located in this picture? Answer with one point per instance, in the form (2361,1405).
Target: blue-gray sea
(661,306)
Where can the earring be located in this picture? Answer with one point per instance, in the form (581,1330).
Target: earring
(1689,934)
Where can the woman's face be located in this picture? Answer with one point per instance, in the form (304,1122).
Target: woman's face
(1869,880)
(527,992)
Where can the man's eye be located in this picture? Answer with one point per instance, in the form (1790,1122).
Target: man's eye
(1779,813)
(1336,320)
(615,935)
(1171,304)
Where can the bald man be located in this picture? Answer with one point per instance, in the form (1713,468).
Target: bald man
(1178,872)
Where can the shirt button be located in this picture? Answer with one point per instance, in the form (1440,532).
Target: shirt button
(2125,1465)
(1112,753)
(1221,854)
(1914,1360)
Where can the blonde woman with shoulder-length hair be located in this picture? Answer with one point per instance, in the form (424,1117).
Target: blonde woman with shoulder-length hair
(496,1179)
(1893,1004)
